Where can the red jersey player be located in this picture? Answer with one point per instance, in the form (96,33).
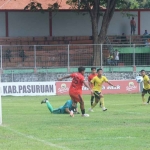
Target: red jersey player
(75,90)
(90,77)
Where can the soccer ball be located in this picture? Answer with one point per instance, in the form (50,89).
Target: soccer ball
(139,79)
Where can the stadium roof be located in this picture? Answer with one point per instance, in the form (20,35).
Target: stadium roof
(20,4)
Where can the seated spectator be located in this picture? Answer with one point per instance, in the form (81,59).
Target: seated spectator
(145,33)
(110,60)
(147,43)
(123,39)
(145,37)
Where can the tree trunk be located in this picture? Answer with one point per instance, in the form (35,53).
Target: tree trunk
(96,47)
(100,39)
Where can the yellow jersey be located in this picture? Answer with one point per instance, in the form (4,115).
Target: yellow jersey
(146,84)
(97,82)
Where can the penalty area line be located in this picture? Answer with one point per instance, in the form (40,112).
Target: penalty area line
(34,138)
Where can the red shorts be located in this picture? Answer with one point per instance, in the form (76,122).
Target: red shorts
(76,97)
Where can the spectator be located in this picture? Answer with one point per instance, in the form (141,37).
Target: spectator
(145,38)
(147,43)
(116,54)
(133,26)
(145,33)
(110,59)
(123,39)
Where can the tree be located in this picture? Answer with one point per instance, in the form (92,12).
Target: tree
(93,7)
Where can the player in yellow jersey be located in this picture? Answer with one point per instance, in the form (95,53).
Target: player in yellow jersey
(97,82)
(146,88)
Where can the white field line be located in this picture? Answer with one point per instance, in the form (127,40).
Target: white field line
(35,139)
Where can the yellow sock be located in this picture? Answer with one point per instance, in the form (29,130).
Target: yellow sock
(102,102)
(94,105)
(143,99)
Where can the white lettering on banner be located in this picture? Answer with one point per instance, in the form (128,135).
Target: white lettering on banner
(103,87)
(28,88)
(114,88)
(84,88)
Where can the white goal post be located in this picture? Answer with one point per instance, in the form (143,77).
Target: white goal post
(1,89)
(0,104)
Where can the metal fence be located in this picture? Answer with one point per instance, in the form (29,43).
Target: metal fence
(48,56)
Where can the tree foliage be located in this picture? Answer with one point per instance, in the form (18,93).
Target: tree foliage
(33,6)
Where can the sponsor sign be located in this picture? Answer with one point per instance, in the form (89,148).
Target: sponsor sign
(122,87)
(28,88)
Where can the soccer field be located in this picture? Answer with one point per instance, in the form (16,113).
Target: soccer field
(28,125)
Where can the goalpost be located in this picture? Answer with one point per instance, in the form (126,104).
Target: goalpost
(0,90)
(0,105)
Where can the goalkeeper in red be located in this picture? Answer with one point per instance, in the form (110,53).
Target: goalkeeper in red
(97,82)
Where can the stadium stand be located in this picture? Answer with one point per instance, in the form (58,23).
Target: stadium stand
(52,51)
(66,40)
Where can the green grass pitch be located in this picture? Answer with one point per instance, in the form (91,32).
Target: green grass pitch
(28,125)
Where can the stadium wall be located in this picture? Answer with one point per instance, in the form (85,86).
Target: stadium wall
(78,24)
(44,77)
(66,23)
(144,23)
(2,24)
(28,24)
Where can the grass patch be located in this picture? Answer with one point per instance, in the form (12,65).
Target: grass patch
(28,125)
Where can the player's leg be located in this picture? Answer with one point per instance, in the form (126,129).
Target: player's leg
(49,106)
(143,94)
(97,99)
(81,101)
(78,98)
(57,111)
(148,100)
(92,99)
(148,97)
(102,102)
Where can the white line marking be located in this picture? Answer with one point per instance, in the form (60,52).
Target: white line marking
(34,138)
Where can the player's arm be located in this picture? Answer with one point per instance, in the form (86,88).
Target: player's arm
(88,86)
(89,82)
(110,83)
(60,79)
(92,82)
(67,110)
